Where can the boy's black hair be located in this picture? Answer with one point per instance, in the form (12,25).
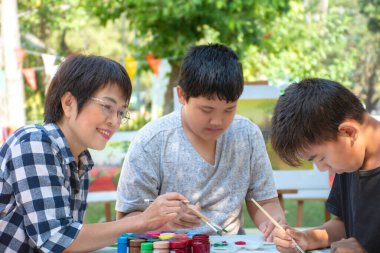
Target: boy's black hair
(309,113)
(211,70)
(83,76)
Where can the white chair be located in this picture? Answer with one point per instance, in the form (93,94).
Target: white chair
(310,185)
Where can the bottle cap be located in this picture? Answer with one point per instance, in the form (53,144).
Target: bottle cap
(161,245)
(166,236)
(136,242)
(153,233)
(122,240)
(180,236)
(146,246)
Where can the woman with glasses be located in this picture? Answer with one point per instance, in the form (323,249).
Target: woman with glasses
(44,168)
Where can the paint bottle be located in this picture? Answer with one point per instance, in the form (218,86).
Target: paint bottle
(135,245)
(161,247)
(177,246)
(189,245)
(146,247)
(122,244)
(166,236)
(201,243)
(153,233)
(179,236)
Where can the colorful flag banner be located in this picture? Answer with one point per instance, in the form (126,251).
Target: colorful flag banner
(52,71)
(4,134)
(20,53)
(153,63)
(30,76)
(49,61)
(131,66)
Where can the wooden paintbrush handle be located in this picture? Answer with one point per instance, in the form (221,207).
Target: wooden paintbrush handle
(268,215)
(198,214)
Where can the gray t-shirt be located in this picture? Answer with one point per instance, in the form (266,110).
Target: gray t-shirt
(161,159)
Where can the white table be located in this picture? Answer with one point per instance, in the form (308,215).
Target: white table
(251,240)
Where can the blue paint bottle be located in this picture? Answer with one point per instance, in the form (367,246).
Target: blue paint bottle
(122,244)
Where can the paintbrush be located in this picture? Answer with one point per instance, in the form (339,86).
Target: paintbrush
(205,219)
(275,222)
(218,229)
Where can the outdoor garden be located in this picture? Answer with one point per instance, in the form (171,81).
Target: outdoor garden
(278,41)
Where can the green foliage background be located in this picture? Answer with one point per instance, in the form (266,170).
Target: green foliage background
(280,40)
(303,44)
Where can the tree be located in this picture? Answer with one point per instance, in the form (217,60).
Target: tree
(50,20)
(43,28)
(168,28)
(306,43)
(367,74)
(60,28)
(371,9)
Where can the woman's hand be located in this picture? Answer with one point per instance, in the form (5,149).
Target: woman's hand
(186,219)
(165,209)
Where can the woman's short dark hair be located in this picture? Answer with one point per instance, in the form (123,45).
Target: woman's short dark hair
(309,113)
(82,76)
(211,70)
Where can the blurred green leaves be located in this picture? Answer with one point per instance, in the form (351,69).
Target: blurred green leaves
(371,9)
(303,44)
(279,40)
(168,28)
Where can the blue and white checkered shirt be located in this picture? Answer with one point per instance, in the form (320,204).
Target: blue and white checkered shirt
(42,191)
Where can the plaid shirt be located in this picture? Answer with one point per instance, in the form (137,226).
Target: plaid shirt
(42,191)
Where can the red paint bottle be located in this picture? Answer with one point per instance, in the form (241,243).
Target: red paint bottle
(178,246)
(201,243)
(189,245)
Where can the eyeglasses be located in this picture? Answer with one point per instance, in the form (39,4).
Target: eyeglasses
(109,110)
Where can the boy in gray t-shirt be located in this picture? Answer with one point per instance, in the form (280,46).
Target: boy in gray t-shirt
(203,151)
